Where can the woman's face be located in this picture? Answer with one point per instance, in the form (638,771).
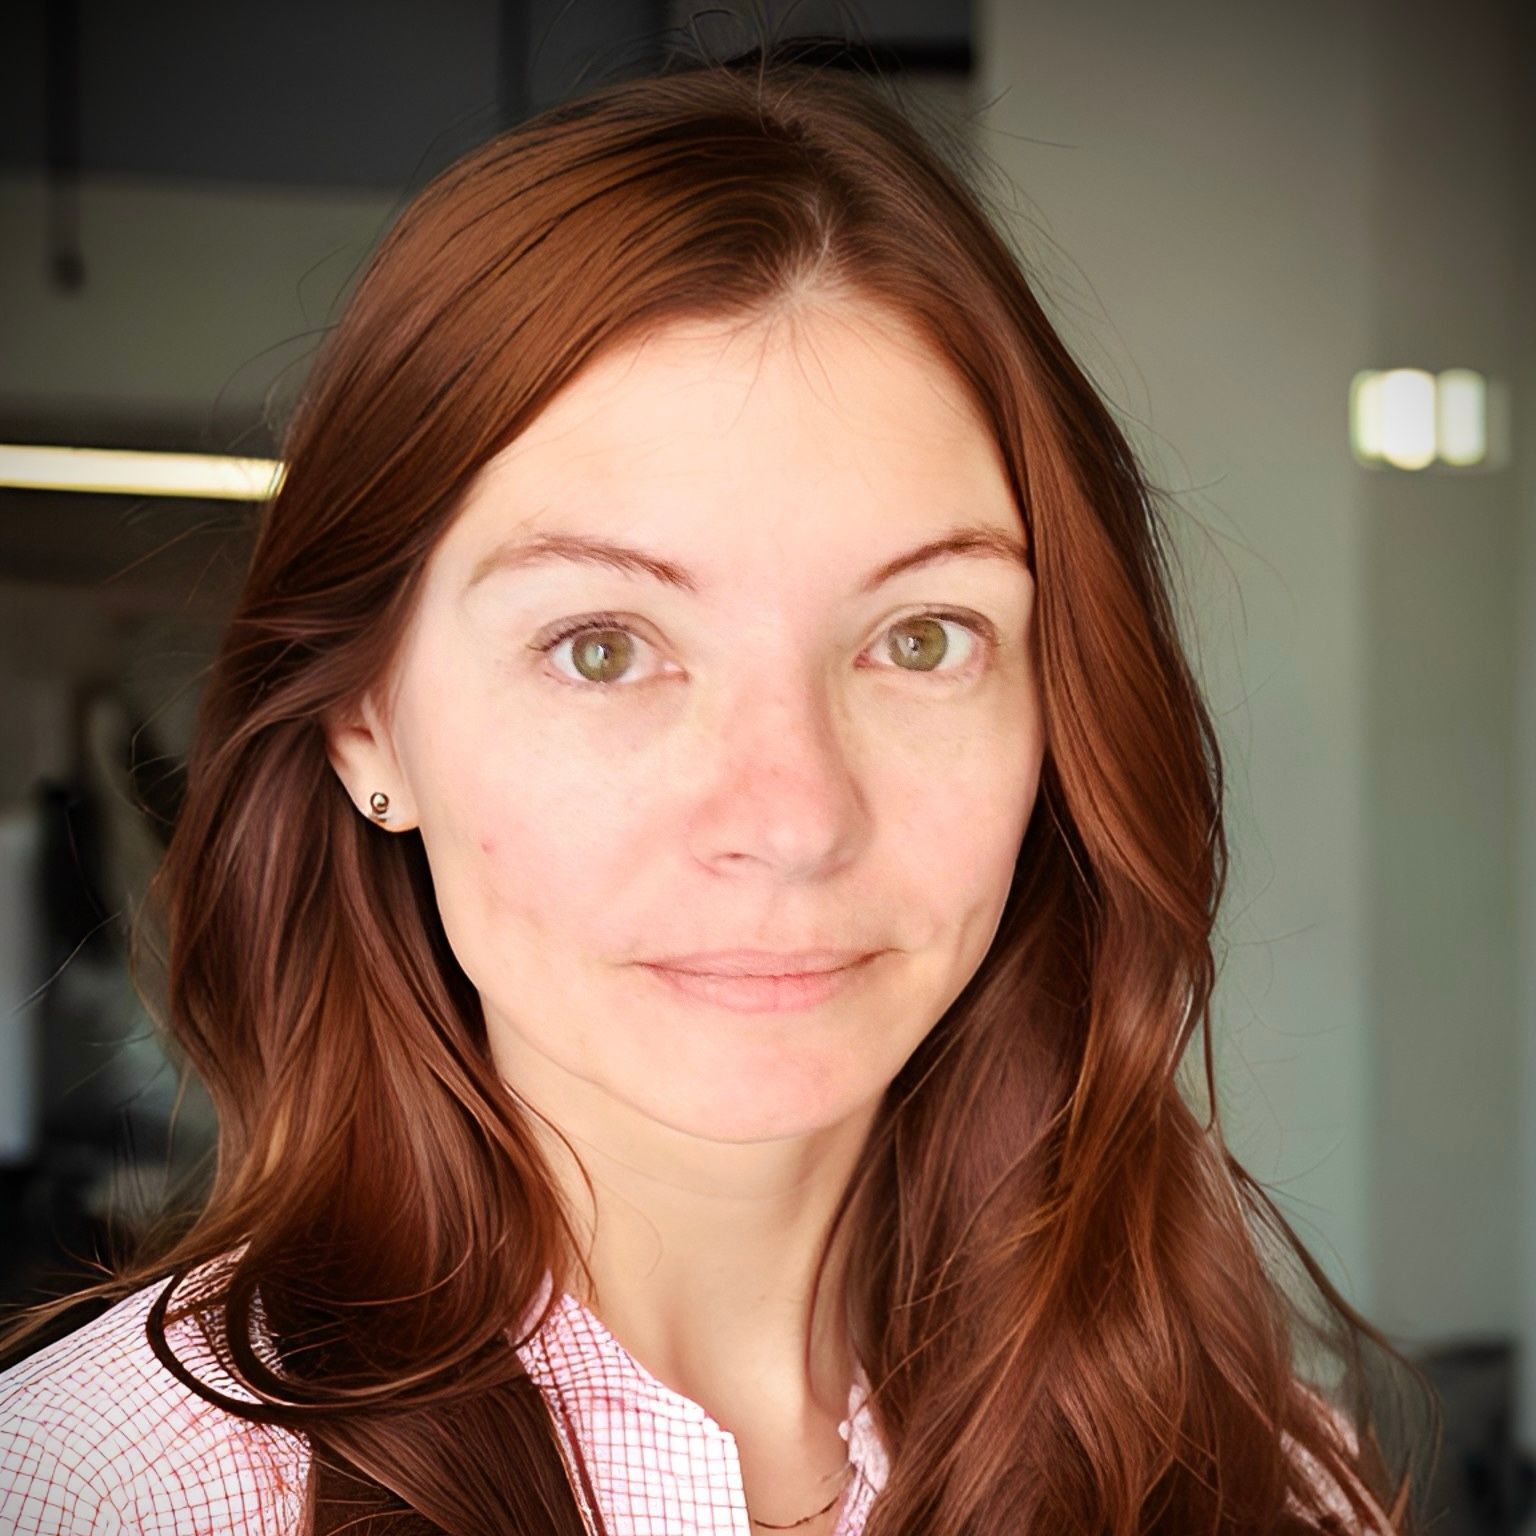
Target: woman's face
(756,745)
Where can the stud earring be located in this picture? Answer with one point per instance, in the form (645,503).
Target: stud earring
(378,803)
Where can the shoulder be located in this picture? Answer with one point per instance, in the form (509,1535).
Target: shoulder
(97,1437)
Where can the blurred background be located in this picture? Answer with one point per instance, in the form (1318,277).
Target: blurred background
(1294,245)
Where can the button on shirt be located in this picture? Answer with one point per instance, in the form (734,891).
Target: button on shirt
(97,1438)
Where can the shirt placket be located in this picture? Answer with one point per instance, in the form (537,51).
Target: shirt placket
(660,1465)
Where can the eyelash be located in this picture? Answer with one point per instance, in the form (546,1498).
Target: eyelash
(982,629)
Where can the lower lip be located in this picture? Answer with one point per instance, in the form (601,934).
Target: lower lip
(761,994)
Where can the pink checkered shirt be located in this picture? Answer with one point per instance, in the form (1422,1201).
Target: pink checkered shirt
(97,1438)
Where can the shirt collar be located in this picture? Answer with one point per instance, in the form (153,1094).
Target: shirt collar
(866,1450)
(575,1351)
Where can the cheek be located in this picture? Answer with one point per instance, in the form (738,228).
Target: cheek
(961,816)
(543,847)
(521,901)
(962,850)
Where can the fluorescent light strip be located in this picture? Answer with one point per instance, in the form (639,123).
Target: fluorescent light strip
(128,472)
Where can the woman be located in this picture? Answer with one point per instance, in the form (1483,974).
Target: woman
(697,873)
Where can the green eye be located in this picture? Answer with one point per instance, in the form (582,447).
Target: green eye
(918,644)
(602,651)
(602,655)
(603,648)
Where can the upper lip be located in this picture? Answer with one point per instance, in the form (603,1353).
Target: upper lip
(762,962)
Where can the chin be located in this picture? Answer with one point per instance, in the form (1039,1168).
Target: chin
(741,1124)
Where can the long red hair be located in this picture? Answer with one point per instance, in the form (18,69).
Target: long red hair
(1079,1313)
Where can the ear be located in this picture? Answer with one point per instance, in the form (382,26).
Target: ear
(359,746)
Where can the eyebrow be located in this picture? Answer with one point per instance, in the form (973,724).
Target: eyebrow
(966,540)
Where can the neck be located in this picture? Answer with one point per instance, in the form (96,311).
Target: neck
(703,1254)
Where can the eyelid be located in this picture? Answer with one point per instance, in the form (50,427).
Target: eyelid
(982,628)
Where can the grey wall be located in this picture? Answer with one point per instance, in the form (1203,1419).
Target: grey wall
(203,299)
(1523,324)
(1197,175)
(1237,207)
(1441,603)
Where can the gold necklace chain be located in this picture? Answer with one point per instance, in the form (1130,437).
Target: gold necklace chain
(805,1519)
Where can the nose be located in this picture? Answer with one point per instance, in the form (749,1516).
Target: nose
(785,791)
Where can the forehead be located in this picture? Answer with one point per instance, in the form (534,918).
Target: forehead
(829,392)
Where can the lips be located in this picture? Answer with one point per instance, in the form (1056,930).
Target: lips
(761,962)
(756,992)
